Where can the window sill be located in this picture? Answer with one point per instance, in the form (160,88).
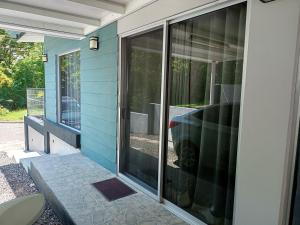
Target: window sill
(67,134)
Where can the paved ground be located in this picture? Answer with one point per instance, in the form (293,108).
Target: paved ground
(11,132)
(149,145)
(69,179)
(15,182)
(11,136)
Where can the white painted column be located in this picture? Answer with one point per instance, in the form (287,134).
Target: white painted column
(265,111)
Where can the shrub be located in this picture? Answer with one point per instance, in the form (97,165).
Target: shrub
(3,111)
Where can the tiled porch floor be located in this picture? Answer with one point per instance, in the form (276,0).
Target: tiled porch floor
(67,181)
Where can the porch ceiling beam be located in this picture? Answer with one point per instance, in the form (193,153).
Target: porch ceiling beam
(50,29)
(103,4)
(48,13)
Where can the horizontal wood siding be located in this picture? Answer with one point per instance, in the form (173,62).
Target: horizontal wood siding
(99,97)
(54,47)
(98,74)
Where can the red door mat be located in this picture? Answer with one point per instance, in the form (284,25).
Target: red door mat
(113,189)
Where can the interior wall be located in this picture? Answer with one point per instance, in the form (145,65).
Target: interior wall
(266,105)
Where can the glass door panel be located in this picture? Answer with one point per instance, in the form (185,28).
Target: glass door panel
(205,76)
(140,149)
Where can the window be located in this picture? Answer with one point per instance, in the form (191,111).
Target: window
(141,141)
(69,80)
(184,148)
(205,76)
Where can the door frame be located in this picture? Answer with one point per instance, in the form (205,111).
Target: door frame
(122,85)
(58,88)
(122,101)
(292,148)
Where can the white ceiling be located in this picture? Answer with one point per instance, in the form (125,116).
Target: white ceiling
(63,6)
(64,18)
(29,37)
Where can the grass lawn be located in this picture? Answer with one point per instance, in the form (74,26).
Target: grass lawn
(17,115)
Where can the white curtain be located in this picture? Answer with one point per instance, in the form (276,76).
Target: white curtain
(205,140)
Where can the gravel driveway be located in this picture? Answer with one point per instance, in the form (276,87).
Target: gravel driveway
(15,182)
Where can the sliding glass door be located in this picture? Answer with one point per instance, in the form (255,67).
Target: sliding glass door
(199,119)
(205,76)
(142,96)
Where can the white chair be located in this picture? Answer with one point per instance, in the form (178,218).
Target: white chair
(22,211)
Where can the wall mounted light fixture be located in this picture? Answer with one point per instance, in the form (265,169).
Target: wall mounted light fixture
(94,43)
(45,57)
(266,1)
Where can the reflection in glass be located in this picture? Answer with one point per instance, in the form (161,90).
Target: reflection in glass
(295,206)
(69,68)
(139,158)
(205,72)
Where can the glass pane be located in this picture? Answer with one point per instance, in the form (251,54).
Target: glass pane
(295,208)
(205,73)
(141,150)
(69,68)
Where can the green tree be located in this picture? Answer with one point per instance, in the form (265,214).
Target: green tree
(21,67)
(27,73)
(5,88)
(12,51)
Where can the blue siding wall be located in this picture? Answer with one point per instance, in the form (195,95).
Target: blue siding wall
(98,74)
(54,47)
(99,97)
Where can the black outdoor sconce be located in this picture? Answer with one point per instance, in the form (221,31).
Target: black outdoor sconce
(266,1)
(45,58)
(94,43)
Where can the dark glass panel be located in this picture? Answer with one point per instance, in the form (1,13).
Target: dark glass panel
(69,69)
(139,157)
(205,76)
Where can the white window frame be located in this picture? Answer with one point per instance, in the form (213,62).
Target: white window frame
(291,156)
(211,7)
(58,98)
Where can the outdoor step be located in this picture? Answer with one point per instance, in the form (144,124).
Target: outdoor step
(66,183)
(19,154)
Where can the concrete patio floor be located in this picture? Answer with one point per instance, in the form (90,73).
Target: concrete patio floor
(66,182)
